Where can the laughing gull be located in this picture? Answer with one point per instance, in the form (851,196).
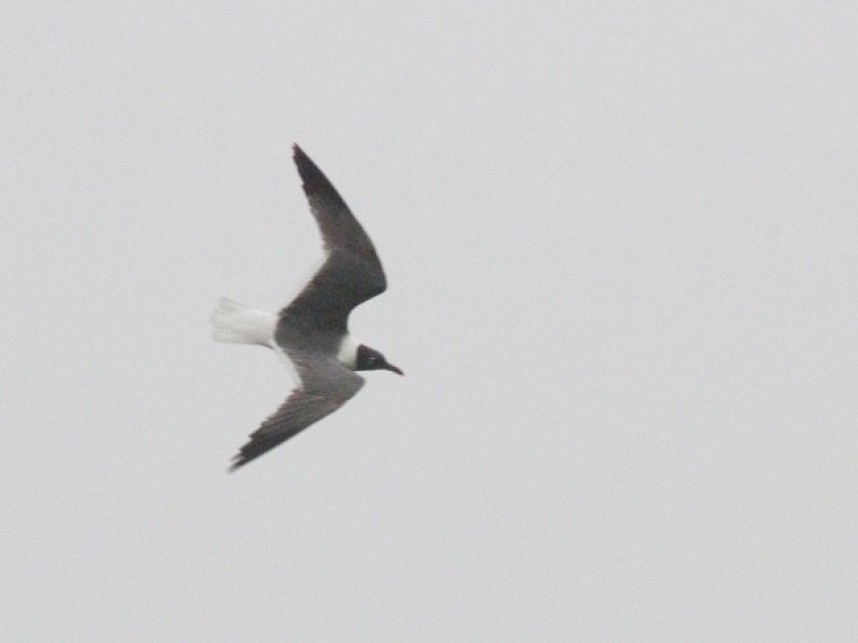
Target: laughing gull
(311,333)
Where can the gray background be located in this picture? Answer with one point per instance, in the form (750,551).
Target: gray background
(622,247)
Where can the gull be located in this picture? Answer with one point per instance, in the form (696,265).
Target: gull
(311,333)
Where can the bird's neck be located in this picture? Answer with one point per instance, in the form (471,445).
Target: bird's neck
(347,355)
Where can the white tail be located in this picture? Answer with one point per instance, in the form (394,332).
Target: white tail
(239,324)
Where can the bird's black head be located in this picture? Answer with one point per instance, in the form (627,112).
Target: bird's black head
(369,359)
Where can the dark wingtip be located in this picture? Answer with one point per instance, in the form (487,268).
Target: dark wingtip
(311,176)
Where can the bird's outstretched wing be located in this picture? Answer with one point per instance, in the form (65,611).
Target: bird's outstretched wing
(325,386)
(351,273)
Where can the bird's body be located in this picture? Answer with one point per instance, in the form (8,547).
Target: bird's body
(311,332)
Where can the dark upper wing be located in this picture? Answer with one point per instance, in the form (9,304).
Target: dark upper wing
(340,230)
(352,271)
(326,386)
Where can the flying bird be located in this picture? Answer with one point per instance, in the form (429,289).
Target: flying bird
(311,333)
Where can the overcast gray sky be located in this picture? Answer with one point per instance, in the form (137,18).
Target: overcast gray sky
(622,247)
